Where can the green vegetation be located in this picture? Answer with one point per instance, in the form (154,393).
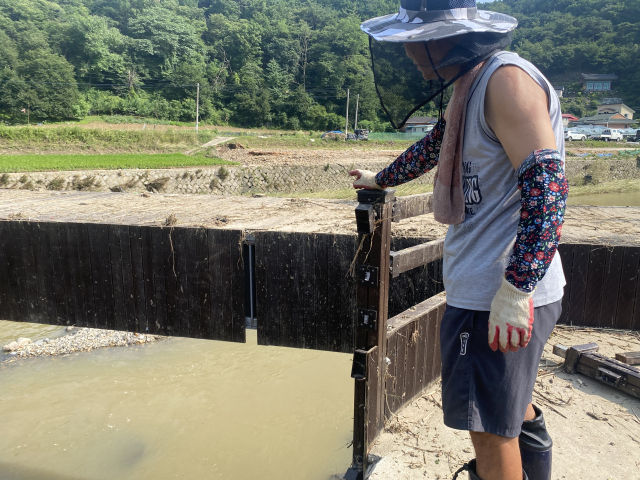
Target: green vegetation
(35,163)
(262,63)
(613,186)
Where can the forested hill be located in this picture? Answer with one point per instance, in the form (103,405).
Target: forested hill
(281,63)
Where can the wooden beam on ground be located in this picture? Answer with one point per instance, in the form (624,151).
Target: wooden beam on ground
(412,206)
(414,257)
(630,358)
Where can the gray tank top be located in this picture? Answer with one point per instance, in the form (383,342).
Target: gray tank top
(477,251)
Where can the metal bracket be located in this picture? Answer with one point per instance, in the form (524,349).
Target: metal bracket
(359,365)
(610,378)
(368,318)
(368,275)
(365,218)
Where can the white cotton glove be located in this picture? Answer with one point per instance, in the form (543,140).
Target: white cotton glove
(511,318)
(365,179)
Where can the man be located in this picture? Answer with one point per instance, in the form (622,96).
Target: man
(501,186)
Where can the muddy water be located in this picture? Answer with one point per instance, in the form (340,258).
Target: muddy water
(177,408)
(629,199)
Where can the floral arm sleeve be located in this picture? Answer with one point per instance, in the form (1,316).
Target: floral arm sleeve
(543,188)
(417,160)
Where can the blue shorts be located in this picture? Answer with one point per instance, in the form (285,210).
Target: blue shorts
(483,390)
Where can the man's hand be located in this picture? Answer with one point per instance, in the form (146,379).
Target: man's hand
(365,179)
(511,318)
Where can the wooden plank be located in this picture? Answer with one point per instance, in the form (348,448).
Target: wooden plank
(390,376)
(226,270)
(411,332)
(178,259)
(430,357)
(15,270)
(9,267)
(71,291)
(437,361)
(371,417)
(128,286)
(628,286)
(286,297)
(401,365)
(237,333)
(159,323)
(630,358)
(347,247)
(414,257)
(75,275)
(171,280)
(62,308)
(300,278)
(41,259)
(321,292)
(412,206)
(203,282)
(566,255)
(5,292)
(635,323)
(421,352)
(611,287)
(109,319)
(215,239)
(115,255)
(595,278)
(149,277)
(139,322)
(263,286)
(86,278)
(96,276)
(307,281)
(335,283)
(579,275)
(29,272)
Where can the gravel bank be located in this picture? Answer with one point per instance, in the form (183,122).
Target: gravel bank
(81,340)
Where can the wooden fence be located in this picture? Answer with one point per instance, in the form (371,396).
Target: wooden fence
(603,286)
(167,281)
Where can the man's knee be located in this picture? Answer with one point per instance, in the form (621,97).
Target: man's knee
(490,441)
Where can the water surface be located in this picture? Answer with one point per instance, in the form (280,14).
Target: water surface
(178,408)
(628,199)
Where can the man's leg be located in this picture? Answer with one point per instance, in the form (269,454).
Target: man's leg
(497,458)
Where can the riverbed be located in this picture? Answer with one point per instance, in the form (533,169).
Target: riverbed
(176,408)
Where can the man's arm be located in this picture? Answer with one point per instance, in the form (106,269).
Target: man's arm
(516,109)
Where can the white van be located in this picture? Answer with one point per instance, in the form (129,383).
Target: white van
(608,135)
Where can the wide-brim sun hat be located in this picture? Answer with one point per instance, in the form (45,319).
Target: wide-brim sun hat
(428,20)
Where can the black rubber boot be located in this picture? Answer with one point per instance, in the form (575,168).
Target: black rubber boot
(471,468)
(535,447)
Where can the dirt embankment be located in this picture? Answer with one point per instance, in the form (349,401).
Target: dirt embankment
(583,224)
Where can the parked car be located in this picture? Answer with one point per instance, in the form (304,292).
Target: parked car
(571,135)
(608,135)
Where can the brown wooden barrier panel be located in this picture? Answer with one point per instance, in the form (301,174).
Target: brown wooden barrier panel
(168,281)
(603,286)
(413,350)
(306,298)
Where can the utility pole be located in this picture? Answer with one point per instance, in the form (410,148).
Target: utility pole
(346,123)
(355,125)
(197,106)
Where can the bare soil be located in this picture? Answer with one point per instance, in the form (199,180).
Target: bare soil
(595,428)
(583,224)
(302,156)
